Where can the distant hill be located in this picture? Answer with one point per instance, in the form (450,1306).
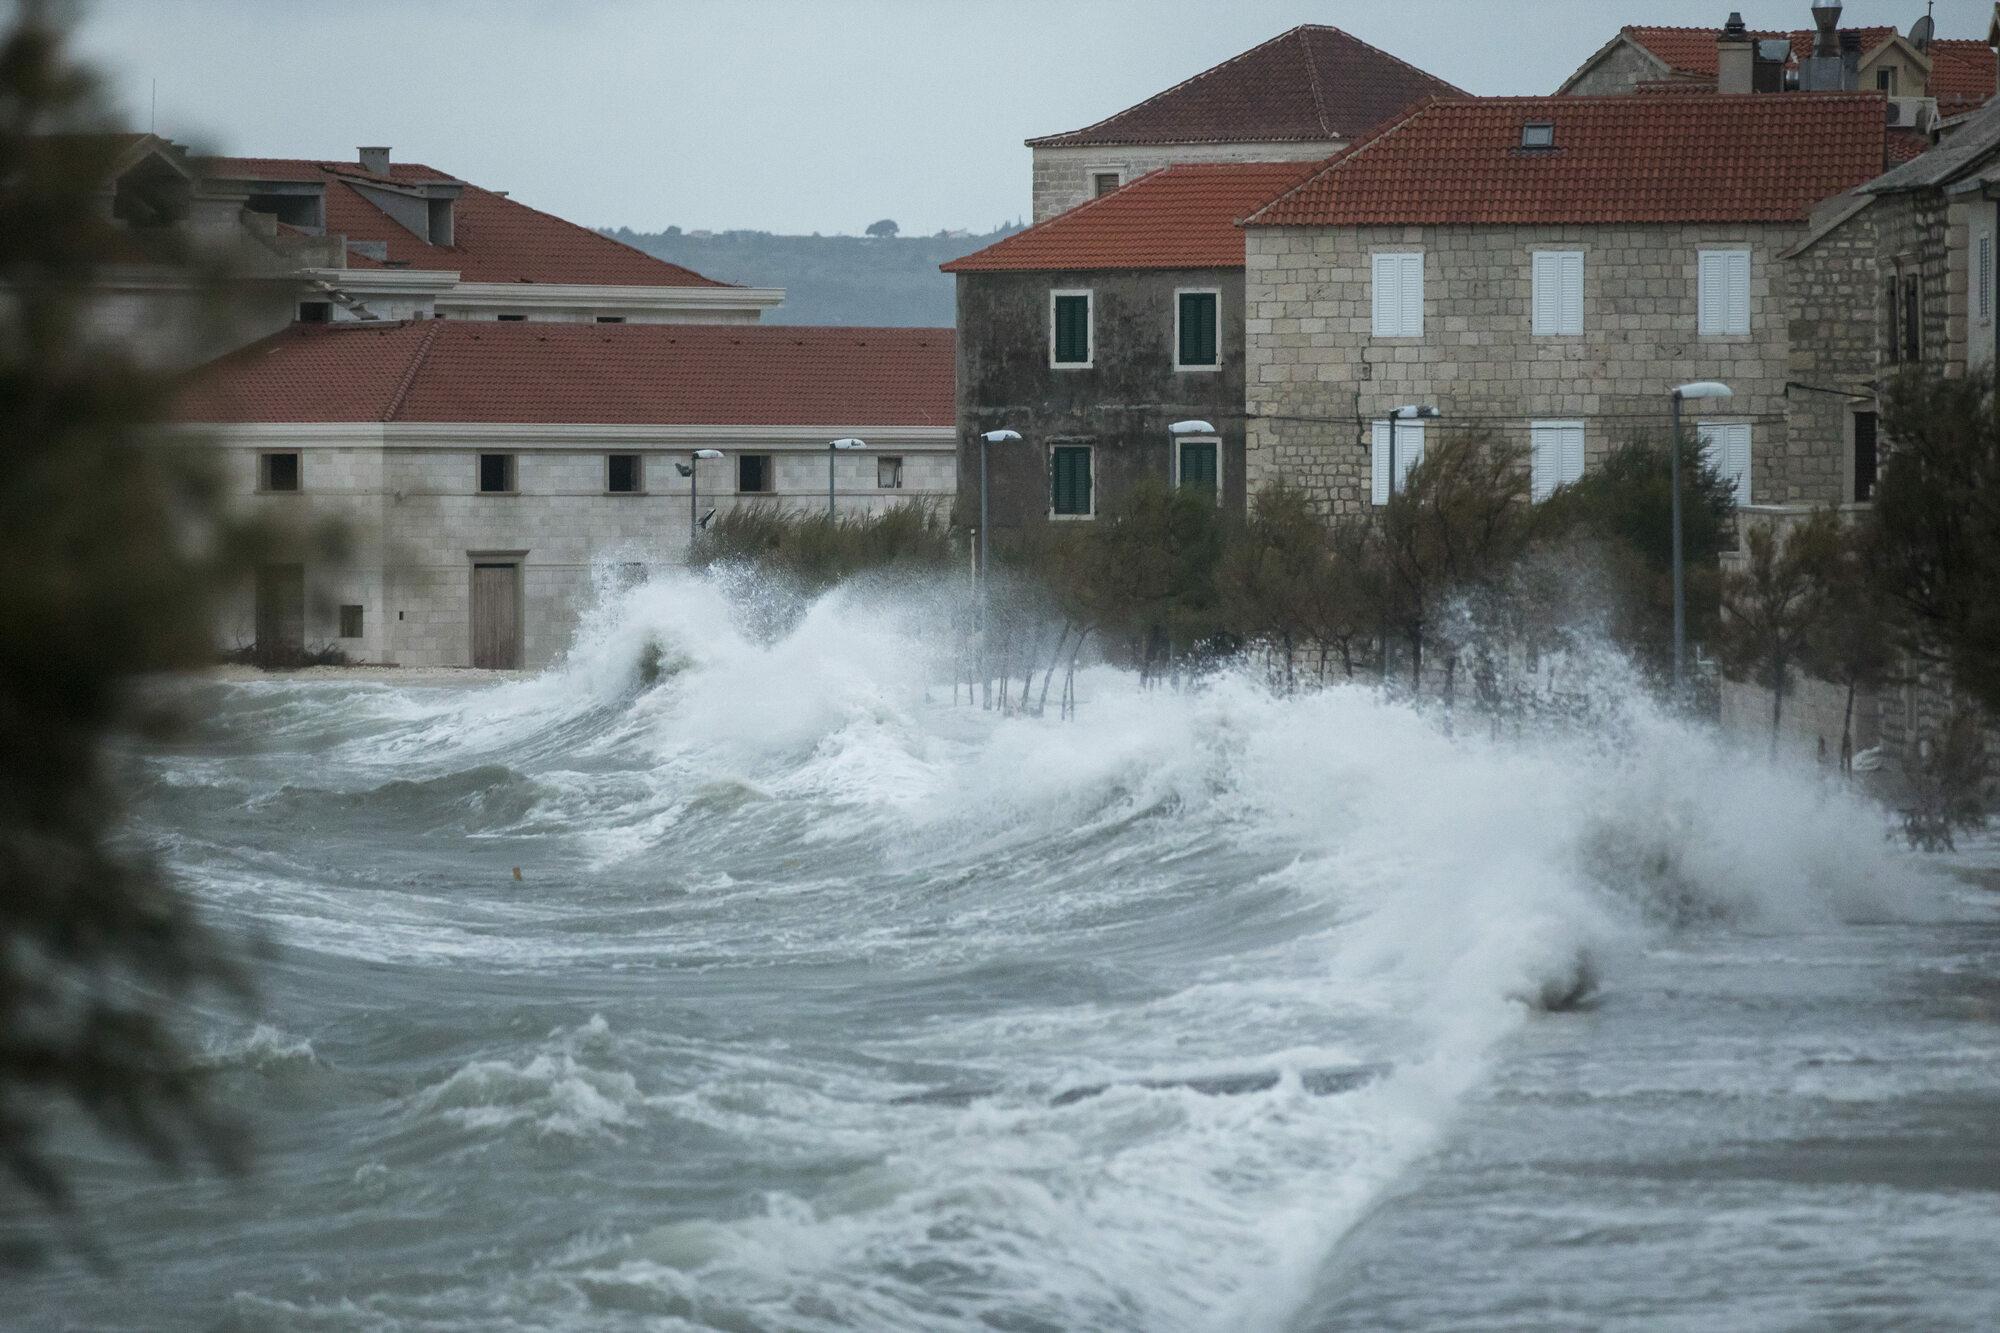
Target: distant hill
(827,279)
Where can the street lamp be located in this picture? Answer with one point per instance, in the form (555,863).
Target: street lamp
(846,442)
(687,470)
(1407,413)
(1699,390)
(990,437)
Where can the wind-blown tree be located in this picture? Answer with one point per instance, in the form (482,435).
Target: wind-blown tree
(1937,510)
(1619,514)
(113,545)
(1147,573)
(1773,605)
(1852,644)
(1287,581)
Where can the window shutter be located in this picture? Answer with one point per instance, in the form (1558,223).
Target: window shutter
(1198,329)
(1572,292)
(1411,289)
(1378,461)
(1572,457)
(1985,276)
(1388,306)
(1547,294)
(1542,462)
(1727,449)
(1708,293)
(1739,292)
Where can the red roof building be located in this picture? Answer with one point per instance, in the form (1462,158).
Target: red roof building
(1178,217)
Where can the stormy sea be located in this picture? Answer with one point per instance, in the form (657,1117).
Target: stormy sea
(717,980)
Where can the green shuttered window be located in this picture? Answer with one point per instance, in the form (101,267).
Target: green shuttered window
(1069,480)
(1071,313)
(1199,336)
(1199,465)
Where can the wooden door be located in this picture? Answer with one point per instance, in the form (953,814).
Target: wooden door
(281,610)
(496,616)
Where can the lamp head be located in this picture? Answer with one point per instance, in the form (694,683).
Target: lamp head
(1704,389)
(847,442)
(1190,428)
(685,469)
(1001,436)
(705,517)
(708,453)
(1415,413)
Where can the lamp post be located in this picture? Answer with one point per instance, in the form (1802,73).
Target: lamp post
(1411,412)
(986,439)
(690,470)
(845,442)
(1179,429)
(1698,390)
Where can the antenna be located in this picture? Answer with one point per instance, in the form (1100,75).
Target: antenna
(1922,31)
(153,115)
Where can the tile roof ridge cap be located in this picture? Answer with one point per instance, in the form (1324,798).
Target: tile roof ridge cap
(417,359)
(1167,92)
(1388,55)
(1312,86)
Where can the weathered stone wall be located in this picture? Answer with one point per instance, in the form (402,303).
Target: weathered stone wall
(1121,406)
(1836,317)
(1317,374)
(1619,70)
(1062,175)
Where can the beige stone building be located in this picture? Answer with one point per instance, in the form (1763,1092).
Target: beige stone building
(1546,269)
(1301,96)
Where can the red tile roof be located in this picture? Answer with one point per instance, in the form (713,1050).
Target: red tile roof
(494,238)
(1178,217)
(1313,83)
(1692,50)
(597,374)
(1616,159)
(1961,71)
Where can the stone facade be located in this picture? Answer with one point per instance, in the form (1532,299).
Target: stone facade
(1121,406)
(1837,329)
(1062,176)
(1317,376)
(408,500)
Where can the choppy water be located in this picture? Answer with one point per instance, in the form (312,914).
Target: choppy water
(822,1004)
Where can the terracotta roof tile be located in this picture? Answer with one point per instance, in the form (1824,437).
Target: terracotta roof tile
(1755,158)
(494,238)
(1310,84)
(1178,217)
(600,374)
(1961,71)
(1692,50)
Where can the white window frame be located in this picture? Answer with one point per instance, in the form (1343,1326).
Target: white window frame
(1571,440)
(1708,431)
(884,460)
(1408,433)
(1221,463)
(1090,175)
(1049,463)
(1555,305)
(1089,296)
(1718,311)
(1179,292)
(1397,266)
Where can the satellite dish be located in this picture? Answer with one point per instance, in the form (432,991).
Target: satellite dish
(1922,31)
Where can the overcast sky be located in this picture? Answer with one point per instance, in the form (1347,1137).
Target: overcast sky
(783,115)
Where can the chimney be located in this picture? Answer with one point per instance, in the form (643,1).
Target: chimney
(1735,58)
(375,161)
(1826,17)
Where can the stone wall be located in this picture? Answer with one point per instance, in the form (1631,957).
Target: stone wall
(1062,175)
(1836,332)
(1317,375)
(1121,405)
(1618,70)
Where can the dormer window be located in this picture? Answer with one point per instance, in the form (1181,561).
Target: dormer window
(1538,134)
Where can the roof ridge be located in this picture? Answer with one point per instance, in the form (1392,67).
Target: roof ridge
(417,360)
(1168,92)
(1391,55)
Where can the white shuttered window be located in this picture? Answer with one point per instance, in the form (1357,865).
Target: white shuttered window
(1409,449)
(1558,303)
(1557,455)
(1726,446)
(1723,291)
(1399,296)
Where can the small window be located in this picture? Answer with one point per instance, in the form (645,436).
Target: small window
(1198,465)
(278,472)
(1726,446)
(1885,80)
(1197,330)
(889,472)
(350,622)
(1405,439)
(1864,456)
(1722,292)
(753,473)
(1555,457)
(1558,293)
(496,474)
(1069,329)
(1399,296)
(1893,321)
(1070,481)
(511,319)
(1103,183)
(623,474)
(1913,321)
(611,319)
(315,312)
(1538,134)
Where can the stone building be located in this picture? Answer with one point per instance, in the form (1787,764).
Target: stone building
(482,471)
(1092,333)
(1545,269)
(1303,95)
